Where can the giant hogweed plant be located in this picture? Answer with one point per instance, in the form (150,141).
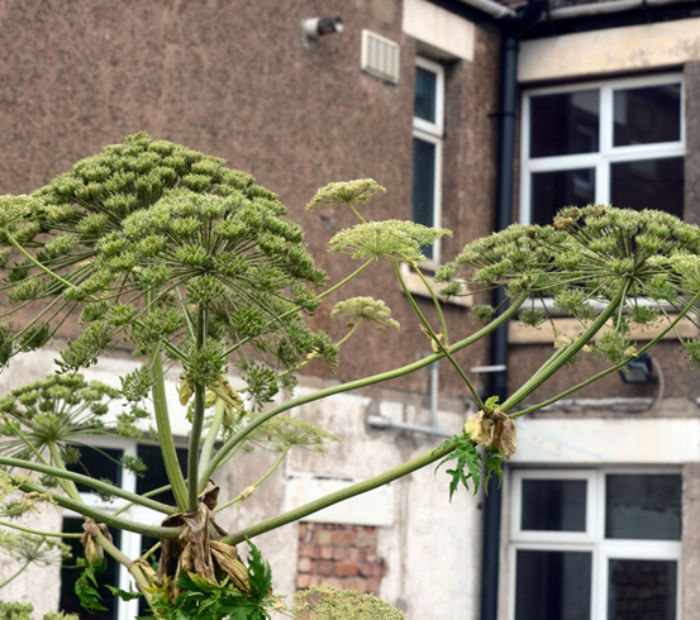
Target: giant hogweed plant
(165,250)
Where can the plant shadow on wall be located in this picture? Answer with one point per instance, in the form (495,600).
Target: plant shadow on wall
(167,251)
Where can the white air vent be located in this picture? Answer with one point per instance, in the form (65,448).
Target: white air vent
(380,56)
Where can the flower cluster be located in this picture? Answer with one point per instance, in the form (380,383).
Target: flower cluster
(587,257)
(60,411)
(140,236)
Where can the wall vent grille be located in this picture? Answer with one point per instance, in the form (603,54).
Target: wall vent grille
(380,56)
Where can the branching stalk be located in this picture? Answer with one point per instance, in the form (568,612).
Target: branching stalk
(223,452)
(343,494)
(16,574)
(98,485)
(555,364)
(197,417)
(165,435)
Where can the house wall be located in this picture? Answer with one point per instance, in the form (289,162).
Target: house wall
(597,432)
(624,52)
(232,79)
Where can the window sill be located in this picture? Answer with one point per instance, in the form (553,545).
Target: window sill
(416,286)
(518,333)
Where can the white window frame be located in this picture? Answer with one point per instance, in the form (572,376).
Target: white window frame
(607,154)
(434,133)
(130,543)
(593,539)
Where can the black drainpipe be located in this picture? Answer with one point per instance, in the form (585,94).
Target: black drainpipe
(491,536)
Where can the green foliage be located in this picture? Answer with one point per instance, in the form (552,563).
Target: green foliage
(471,464)
(55,410)
(325,603)
(86,587)
(208,599)
(15,611)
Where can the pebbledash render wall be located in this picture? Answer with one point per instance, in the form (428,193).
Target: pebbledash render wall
(231,79)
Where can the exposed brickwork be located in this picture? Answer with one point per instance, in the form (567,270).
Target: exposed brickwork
(339,555)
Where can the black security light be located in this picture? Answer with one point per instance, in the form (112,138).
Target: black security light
(638,371)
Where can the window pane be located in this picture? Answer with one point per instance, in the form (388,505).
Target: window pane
(424,185)
(553,190)
(564,124)
(98,463)
(425,98)
(643,506)
(69,601)
(648,184)
(647,115)
(554,505)
(155,476)
(553,585)
(642,589)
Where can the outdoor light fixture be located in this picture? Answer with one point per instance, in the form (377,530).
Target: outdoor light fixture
(315,27)
(638,371)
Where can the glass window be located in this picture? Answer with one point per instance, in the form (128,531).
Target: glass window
(595,544)
(642,589)
(553,585)
(70,571)
(427,147)
(643,506)
(647,115)
(562,188)
(554,505)
(155,476)
(425,104)
(100,463)
(564,123)
(648,184)
(616,142)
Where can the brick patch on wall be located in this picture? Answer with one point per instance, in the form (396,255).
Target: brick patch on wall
(339,555)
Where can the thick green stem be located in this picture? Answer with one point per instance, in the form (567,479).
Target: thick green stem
(29,530)
(16,574)
(142,583)
(165,435)
(197,417)
(554,364)
(223,452)
(210,439)
(68,484)
(94,483)
(101,516)
(346,493)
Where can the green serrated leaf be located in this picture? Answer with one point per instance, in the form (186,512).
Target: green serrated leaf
(123,594)
(86,587)
(259,574)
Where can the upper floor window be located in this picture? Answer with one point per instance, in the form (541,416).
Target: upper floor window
(595,545)
(617,142)
(428,121)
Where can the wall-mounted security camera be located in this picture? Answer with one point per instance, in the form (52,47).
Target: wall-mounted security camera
(315,27)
